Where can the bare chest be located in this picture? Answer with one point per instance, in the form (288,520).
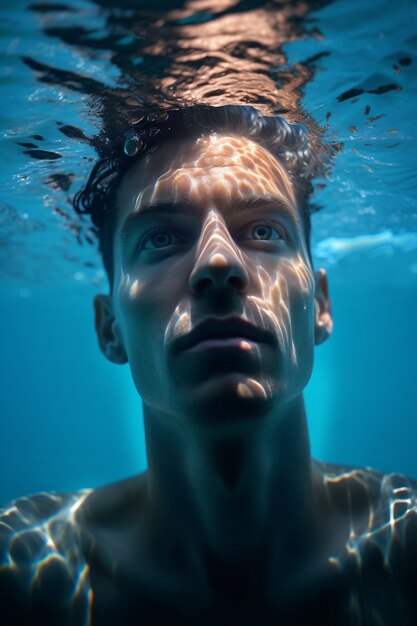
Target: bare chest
(134,592)
(355,589)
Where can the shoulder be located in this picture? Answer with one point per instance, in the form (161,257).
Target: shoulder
(374,519)
(366,488)
(40,558)
(378,514)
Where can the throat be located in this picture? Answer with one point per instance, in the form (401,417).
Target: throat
(234,504)
(231,495)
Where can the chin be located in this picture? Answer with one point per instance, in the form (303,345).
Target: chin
(236,402)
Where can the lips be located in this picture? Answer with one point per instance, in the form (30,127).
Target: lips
(218,329)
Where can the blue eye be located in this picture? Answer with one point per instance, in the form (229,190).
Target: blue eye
(157,240)
(263,232)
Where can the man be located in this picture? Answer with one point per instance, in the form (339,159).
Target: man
(204,228)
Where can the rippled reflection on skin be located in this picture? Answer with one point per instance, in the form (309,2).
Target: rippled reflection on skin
(273,303)
(45,576)
(212,174)
(49,555)
(379,557)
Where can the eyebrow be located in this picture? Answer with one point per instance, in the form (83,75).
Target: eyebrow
(185,207)
(155,208)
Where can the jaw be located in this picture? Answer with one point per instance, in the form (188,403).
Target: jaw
(228,403)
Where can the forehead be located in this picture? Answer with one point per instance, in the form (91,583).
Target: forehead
(209,171)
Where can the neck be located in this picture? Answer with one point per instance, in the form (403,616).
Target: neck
(237,493)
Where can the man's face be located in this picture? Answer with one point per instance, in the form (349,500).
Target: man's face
(213,300)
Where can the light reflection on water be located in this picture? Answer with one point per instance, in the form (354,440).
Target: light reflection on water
(94,68)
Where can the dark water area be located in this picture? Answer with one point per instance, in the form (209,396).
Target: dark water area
(76,77)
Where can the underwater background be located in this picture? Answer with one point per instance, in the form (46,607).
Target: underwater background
(72,73)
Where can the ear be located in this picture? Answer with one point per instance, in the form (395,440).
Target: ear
(323,322)
(108,331)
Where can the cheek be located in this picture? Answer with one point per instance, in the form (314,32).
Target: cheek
(139,314)
(151,314)
(142,324)
(303,326)
(303,339)
(294,312)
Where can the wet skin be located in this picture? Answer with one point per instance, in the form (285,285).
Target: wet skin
(232,246)
(210,230)
(232,523)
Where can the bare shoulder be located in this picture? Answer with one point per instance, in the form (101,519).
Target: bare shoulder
(41,564)
(374,517)
(368,490)
(47,541)
(376,514)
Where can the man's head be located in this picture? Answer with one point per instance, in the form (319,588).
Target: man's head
(300,152)
(214,302)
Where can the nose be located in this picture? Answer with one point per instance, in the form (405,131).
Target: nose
(219,263)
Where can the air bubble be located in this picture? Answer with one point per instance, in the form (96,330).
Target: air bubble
(133,143)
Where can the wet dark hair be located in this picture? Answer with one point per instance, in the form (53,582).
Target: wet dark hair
(297,148)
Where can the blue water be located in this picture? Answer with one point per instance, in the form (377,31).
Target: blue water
(70,419)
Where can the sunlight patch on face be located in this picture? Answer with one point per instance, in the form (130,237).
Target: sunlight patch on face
(301,270)
(137,199)
(134,289)
(215,167)
(124,281)
(179,324)
(216,150)
(126,284)
(218,260)
(273,306)
(274,301)
(251,389)
(215,237)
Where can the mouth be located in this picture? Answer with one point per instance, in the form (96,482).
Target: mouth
(221,333)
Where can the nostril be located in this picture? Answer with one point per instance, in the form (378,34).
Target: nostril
(237,283)
(208,283)
(202,285)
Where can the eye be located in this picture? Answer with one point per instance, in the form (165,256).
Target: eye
(158,239)
(265,232)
